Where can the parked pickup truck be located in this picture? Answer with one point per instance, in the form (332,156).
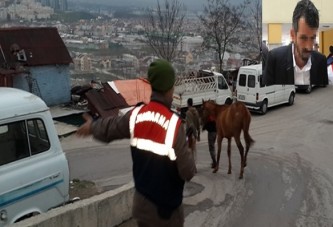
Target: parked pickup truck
(204,84)
(33,167)
(120,95)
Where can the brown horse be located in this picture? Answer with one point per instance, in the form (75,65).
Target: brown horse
(230,121)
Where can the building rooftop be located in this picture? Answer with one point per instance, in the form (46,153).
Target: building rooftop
(32,46)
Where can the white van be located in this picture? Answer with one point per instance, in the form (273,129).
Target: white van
(34,173)
(257,96)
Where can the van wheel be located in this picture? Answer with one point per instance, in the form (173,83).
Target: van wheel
(309,89)
(263,108)
(291,99)
(228,101)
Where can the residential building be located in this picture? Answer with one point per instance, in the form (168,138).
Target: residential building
(106,63)
(38,64)
(27,9)
(83,62)
(190,43)
(58,5)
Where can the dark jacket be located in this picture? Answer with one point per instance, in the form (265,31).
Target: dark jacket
(155,169)
(279,68)
(210,125)
(193,121)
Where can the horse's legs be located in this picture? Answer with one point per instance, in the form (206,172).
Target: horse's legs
(241,152)
(247,147)
(219,148)
(229,155)
(248,142)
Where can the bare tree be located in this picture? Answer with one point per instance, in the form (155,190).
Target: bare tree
(222,22)
(163,28)
(254,41)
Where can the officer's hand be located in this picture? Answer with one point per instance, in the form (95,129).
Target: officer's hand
(85,129)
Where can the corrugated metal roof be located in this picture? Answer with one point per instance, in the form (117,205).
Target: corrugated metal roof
(126,93)
(42,46)
(105,102)
(133,91)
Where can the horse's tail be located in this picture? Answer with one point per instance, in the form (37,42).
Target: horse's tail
(246,126)
(248,139)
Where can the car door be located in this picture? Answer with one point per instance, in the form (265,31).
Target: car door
(279,93)
(35,174)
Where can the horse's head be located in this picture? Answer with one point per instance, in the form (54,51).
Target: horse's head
(207,111)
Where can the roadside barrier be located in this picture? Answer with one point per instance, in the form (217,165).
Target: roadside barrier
(110,208)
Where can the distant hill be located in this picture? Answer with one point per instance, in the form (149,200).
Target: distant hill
(70,17)
(189,4)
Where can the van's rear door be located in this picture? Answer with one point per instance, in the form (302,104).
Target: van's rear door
(247,84)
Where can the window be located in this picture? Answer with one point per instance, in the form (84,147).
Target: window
(38,138)
(222,84)
(261,81)
(242,80)
(251,81)
(17,144)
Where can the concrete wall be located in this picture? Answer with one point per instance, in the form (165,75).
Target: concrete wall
(53,83)
(105,210)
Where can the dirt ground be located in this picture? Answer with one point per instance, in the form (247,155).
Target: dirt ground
(83,189)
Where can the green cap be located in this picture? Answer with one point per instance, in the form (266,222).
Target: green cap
(161,75)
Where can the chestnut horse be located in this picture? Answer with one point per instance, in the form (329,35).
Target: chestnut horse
(230,121)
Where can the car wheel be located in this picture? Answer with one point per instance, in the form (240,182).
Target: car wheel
(291,99)
(309,89)
(263,108)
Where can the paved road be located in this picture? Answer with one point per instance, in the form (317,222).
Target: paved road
(288,180)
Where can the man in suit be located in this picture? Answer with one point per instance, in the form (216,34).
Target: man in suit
(297,63)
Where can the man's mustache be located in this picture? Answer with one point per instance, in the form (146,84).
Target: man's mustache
(306,51)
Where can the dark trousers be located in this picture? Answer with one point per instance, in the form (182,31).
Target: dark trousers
(146,215)
(211,146)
